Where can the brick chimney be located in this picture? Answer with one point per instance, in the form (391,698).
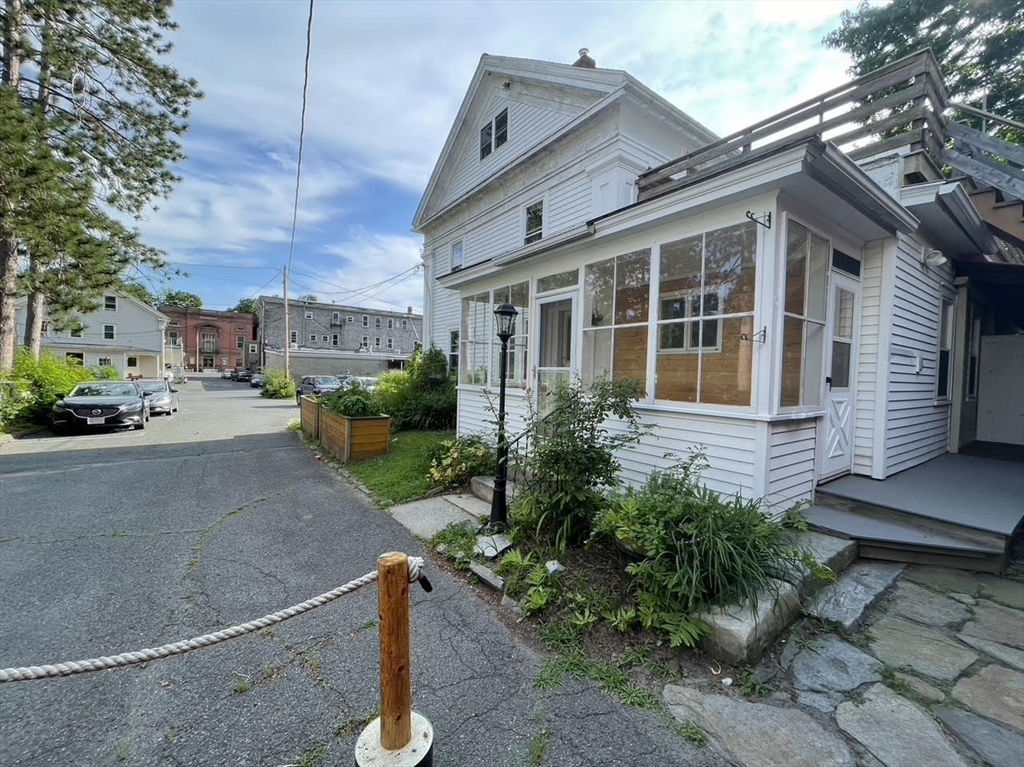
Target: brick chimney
(584,60)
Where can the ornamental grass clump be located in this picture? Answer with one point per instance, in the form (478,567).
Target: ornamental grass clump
(696,549)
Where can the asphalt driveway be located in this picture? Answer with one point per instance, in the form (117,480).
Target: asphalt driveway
(217,515)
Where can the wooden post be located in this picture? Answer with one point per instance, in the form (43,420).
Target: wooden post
(395,651)
(399,737)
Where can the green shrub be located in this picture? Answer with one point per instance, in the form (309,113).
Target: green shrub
(103,373)
(34,385)
(571,462)
(352,403)
(277,385)
(456,461)
(697,549)
(422,396)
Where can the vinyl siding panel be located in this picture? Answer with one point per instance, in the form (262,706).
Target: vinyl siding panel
(868,359)
(792,447)
(529,124)
(916,428)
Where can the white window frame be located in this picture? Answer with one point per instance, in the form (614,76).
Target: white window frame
(253,348)
(492,145)
(294,336)
(334,339)
(391,323)
(336,318)
(376,342)
(324,338)
(312,337)
(105,362)
(405,324)
(350,319)
(239,342)
(112,329)
(366,320)
(391,343)
(947,317)
(457,253)
(377,323)
(365,344)
(309,315)
(75,332)
(110,303)
(691,320)
(530,237)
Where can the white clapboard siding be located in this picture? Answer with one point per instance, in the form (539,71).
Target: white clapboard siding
(916,428)
(871,354)
(792,447)
(445,316)
(529,125)
(478,407)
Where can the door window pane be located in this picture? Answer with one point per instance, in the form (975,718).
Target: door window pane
(840,364)
(844,314)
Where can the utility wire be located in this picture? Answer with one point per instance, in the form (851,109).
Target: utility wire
(364,291)
(302,133)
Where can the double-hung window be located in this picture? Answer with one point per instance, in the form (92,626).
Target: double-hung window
(312,336)
(110,303)
(334,339)
(108,332)
(366,321)
(376,342)
(458,255)
(944,370)
(534,222)
(391,323)
(377,322)
(494,133)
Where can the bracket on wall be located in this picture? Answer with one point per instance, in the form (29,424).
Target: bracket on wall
(758,338)
(763,219)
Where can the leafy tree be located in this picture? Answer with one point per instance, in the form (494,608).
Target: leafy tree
(244,306)
(139,291)
(978,43)
(88,80)
(181,299)
(308,297)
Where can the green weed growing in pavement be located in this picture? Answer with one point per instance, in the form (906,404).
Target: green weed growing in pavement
(894,683)
(693,733)
(538,747)
(312,756)
(458,540)
(242,684)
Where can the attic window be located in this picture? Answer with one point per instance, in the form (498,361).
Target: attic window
(494,133)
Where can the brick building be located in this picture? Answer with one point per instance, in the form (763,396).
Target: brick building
(212,339)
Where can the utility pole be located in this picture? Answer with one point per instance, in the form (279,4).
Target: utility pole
(287,331)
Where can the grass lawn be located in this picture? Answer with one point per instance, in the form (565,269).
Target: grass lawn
(401,475)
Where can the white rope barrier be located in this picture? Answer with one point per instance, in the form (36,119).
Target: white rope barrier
(206,640)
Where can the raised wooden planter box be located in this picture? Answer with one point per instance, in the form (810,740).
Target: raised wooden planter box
(352,439)
(309,412)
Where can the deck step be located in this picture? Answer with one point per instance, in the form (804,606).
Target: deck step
(945,533)
(903,541)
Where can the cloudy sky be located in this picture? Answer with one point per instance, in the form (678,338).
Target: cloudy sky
(386,80)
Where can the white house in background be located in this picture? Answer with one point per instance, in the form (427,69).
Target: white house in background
(123,332)
(804,299)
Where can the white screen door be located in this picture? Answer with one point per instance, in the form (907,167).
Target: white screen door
(840,382)
(554,346)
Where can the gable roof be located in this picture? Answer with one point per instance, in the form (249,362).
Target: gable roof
(604,84)
(120,294)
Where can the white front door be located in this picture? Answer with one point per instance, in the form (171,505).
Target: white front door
(554,362)
(836,433)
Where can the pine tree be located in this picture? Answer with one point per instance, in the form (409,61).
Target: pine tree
(111,115)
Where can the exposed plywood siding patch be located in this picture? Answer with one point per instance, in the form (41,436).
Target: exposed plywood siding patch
(916,428)
(868,357)
(791,455)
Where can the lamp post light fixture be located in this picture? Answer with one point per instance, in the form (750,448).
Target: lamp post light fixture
(505,320)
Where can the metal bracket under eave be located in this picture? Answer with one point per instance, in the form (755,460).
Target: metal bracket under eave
(764,219)
(760,336)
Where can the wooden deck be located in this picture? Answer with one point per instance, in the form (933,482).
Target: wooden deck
(958,510)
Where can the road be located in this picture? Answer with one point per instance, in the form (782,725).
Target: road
(218,515)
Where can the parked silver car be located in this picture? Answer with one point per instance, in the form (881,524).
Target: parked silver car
(163,398)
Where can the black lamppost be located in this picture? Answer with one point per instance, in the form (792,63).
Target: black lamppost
(505,319)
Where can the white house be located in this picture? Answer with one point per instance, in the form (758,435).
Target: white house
(123,332)
(805,299)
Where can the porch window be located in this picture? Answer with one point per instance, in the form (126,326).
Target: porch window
(105,362)
(615,317)
(945,370)
(519,296)
(803,329)
(558,281)
(705,309)
(476,339)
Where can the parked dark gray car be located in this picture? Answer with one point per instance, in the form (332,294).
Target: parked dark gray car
(163,398)
(316,385)
(98,404)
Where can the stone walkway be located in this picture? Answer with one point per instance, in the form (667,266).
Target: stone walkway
(931,675)
(934,677)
